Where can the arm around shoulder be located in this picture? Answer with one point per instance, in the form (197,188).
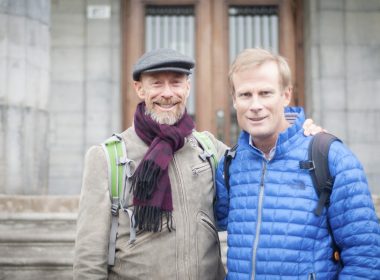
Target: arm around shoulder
(94,217)
(221,208)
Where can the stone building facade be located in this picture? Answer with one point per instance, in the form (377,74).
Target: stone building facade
(61,91)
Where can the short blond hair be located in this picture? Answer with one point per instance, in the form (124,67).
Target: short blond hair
(255,57)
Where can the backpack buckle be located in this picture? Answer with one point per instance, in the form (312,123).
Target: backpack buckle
(205,155)
(114,209)
(231,153)
(130,165)
(307,164)
(121,161)
(118,136)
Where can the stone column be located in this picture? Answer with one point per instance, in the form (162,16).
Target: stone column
(24,92)
(342,70)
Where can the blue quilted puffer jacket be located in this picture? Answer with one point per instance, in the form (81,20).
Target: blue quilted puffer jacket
(273,232)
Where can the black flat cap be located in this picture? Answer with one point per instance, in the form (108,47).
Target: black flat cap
(162,60)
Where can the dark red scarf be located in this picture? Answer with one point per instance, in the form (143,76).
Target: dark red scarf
(152,197)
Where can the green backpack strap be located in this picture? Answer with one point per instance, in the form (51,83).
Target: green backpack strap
(209,150)
(115,151)
(208,146)
(119,168)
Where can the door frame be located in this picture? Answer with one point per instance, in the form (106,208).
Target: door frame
(211,54)
(290,46)
(134,26)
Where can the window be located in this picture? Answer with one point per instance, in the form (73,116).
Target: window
(249,27)
(172,27)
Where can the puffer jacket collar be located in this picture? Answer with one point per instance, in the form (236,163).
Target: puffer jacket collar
(285,139)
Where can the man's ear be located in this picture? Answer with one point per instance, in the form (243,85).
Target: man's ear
(288,95)
(188,82)
(233,96)
(139,89)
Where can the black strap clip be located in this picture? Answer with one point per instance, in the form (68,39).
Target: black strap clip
(307,164)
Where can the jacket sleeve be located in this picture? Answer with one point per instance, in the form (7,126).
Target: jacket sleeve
(221,203)
(352,216)
(94,217)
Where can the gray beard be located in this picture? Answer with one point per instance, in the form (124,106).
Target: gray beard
(164,118)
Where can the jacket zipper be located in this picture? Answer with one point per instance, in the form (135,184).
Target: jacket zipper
(259,218)
(199,169)
(181,195)
(210,225)
(215,231)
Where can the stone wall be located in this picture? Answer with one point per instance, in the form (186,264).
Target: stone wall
(37,236)
(342,63)
(85,105)
(24,92)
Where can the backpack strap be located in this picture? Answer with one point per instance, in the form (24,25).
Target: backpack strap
(119,166)
(318,166)
(209,151)
(229,155)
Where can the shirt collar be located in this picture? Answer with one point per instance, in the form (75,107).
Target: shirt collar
(271,152)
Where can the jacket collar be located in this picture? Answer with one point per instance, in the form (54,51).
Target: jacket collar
(285,139)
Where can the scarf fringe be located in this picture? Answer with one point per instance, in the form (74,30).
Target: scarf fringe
(150,218)
(145,179)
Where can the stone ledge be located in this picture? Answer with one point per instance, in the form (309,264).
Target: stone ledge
(38,216)
(64,238)
(62,204)
(48,272)
(38,204)
(36,262)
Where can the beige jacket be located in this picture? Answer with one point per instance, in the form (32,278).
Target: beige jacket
(191,251)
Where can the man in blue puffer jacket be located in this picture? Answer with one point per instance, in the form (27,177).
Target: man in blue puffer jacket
(273,232)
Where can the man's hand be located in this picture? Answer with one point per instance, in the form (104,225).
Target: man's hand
(309,128)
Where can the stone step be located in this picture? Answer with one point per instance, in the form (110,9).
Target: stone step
(36,273)
(37,237)
(29,227)
(37,245)
(36,254)
(33,235)
(38,204)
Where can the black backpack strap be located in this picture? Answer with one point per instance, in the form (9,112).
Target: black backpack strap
(229,155)
(318,166)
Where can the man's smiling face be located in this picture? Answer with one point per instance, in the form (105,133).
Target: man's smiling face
(165,95)
(259,101)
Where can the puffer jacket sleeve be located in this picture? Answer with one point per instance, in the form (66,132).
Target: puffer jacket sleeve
(94,217)
(221,203)
(352,216)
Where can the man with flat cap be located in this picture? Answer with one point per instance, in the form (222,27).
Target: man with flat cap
(170,233)
(165,228)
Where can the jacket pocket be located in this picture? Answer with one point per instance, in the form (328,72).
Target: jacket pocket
(208,249)
(146,236)
(201,185)
(147,256)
